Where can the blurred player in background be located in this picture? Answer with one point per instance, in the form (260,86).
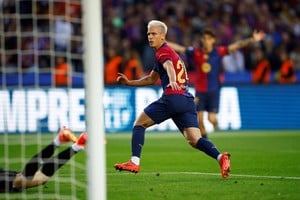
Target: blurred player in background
(207,62)
(176,103)
(42,166)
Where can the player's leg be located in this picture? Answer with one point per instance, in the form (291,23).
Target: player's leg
(138,136)
(35,162)
(212,118)
(137,142)
(64,135)
(213,107)
(201,104)
(54,163)
(154,113)
(49,168)
(188,124)
(194,138)
(200,115)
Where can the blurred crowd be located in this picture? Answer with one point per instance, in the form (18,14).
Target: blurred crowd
(126,47)
(42,36)
(125,23)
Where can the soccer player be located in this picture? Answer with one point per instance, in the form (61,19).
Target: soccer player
(176,103)
(42,166)
(207,62)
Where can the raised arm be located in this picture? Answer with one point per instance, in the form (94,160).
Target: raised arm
(146,80)
(177,47)
(256,37)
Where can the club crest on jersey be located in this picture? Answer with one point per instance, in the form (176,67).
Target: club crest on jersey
(206,67)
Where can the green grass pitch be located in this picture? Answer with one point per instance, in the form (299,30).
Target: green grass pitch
(265,165)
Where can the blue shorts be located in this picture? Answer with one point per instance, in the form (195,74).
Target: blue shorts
(181,109)
(207,101)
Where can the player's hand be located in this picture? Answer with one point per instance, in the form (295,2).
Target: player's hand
(174,85)
(258,35)
(122,79)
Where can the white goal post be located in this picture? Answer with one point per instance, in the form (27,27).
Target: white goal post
(93,62)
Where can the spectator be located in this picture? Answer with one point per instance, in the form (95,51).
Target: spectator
(130,65)
(63,32)
(126,19)
(295,57)
(272,55)
(111,67)
(262,70)
(287,69)
(62,72)
(234,62)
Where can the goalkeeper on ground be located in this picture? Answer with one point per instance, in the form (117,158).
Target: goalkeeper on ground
(43,165)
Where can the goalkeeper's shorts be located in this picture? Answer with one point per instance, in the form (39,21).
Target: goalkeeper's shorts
(6,181)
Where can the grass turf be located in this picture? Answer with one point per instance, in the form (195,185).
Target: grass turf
(265,165)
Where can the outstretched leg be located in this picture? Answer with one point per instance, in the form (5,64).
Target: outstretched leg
(137,142)
(54,163)
(35,162)
(49,167)
(194,138)
(64,135)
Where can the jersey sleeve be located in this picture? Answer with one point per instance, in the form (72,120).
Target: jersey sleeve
(222,50)
(163,55)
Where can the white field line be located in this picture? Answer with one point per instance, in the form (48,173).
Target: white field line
(209,174)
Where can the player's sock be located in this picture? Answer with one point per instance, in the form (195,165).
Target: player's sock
(56,141)
(137,140)
(135,160)
(207,147)
(219,157)
(35,162)
(77,147)
(54,163)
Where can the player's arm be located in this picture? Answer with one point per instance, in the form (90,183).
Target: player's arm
(168,66)
(149,79)
(256,37)
(177,47)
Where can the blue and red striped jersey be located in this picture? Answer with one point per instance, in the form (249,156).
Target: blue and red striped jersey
(207,66)
(163,54)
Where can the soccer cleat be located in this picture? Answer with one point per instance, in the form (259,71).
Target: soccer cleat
(82,139)
(66,135)
(128,166)
(225,164)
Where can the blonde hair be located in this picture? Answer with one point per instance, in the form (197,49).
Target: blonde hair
(160,24)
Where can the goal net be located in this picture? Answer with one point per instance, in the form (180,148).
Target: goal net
(42,89)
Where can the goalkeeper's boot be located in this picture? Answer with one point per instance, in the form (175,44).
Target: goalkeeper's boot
(82,140)
(65,135)
(225,164)
(128,166)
